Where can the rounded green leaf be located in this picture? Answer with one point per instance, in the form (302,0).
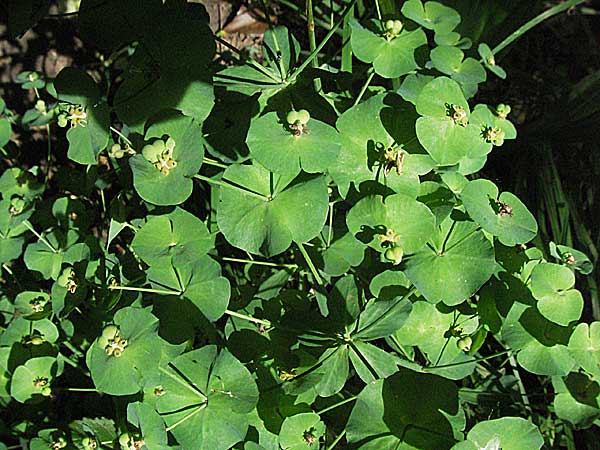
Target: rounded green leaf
(368,130)
(123,375)
(552,286)
(504,215)
(198,280)
(208,395)
(301,432)
(88,139)
(411,222)
(175,185)
(33,305)
(30,380)
(459,261)
(391,58)
(506,433)
(292,210)
(278,148)
(432,15)
(75,86)
(401,412)
(169,70)
(584,347)
(178,234)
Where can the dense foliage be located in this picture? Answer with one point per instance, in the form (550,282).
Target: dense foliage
(225,252)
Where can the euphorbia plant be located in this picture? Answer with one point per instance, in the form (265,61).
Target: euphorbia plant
(276,260)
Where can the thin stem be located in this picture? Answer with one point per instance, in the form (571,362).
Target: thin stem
(330,229)
(534,22)
(249,61)
(49,155)
(365,87)
(312,43)
(522,391)
(337,439)
(448,237)
(121,135)
(141,289)
(231,186)
(214,162)
(266,323)
(495,355)
(258,263)
(312,267)
(39,236)
(326,39)
(73,349)
(378,9)
(335,405)
(187,417)
(80,389)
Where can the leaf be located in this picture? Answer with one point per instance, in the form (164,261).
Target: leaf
(430,330)
(433,15)
(575,259)
(150,424)
(76,87)
(214,392)
(123,375)
(381,318)
(169,70)
(444,139)
(391,58)
(342,254)
(450,61)
(506,433)
(29,380)
(367,129)
(175,186)
(301,431)
(459,261)
(372,217)
(197,280)
(584,347)
(551,285)
(179,234)
(504,215)
(296,212)
(403,413)
(277,148)
(86,141)
(576,399)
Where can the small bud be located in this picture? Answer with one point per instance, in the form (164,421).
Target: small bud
(394,254)
(292,117)
(465,343)
(303,116)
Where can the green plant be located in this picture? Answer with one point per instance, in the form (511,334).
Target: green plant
(262,255)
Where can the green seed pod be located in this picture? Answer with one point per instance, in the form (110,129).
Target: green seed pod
(303,117)
(86,441)
(465,343)
(36,340)
(292,117)
(62,120)
(152,152)
(47,391)
(61,442)
(65,276)
(170,145)
(389,25)
(110,331)
(397,27)
(503,110)
(124,440)
(394,254)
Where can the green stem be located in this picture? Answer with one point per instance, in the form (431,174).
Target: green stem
(266,323)
(249,61)
(335,405)
(312,43)
(337,439)
(326,39)
(522,391)
(39,236)
(534,22)
(330,229)
(80,389)
(443,366)
(49,136)
(258,263)
(365,87)
(311,266)
(378,9)
(214,162)
(141,289)
(231,186)
(187,417)
(73,349)
(121,135)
